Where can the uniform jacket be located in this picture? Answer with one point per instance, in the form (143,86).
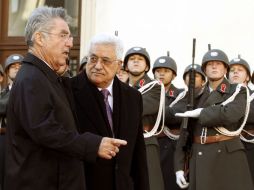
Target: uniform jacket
(44,149)
(250,124)
(128,170)
(171,95)
(214,166)
(250,146)
(151,101)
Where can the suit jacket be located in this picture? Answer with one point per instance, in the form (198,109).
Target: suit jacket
(128,170)
(43,147)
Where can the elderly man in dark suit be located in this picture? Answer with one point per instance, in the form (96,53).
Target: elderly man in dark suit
(117,115)
(44,149)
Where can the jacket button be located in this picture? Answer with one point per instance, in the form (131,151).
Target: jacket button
(200,153)
(116,167)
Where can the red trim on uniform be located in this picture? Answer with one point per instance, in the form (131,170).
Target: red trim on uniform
(141,82)
(223,87)
(171,93)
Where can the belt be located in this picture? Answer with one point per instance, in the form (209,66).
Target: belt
(2,130)
(245,134)
(212,139)
(147,128)
(173,131)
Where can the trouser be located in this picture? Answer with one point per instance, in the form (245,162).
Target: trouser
(153,164)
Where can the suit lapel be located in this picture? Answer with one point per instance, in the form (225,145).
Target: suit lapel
(116,106)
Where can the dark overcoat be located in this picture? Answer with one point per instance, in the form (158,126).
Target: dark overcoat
(220,165)
(43,147)
(250,146)
(4,98)
(128,170)
(151,100)
(167,145)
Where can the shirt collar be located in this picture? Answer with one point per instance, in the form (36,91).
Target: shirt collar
(109,88)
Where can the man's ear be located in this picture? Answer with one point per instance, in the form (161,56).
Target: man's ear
(119,65)
(39,39)
(146,69)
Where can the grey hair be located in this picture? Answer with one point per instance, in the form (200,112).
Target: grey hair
(41,20)
(108,39)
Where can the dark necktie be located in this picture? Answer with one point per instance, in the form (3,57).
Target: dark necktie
(105,93)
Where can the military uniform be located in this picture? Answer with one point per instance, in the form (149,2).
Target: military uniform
(167,145)
(151,101)
(4,97)
(249,127)
(220,162)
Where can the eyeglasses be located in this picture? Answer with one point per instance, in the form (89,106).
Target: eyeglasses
(63,36)
(105,61)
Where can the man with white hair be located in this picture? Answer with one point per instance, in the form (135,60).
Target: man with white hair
(110,108)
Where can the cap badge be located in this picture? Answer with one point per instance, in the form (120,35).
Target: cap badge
(136,48)
(162,60)
(15,57)
(214,54)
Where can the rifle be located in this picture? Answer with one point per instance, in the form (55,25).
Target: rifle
(190,106)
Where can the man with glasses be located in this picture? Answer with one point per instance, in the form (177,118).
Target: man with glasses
(44,149)
(108,107)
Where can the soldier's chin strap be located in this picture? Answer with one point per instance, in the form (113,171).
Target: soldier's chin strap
(223,130)
(161,111)
(250,134)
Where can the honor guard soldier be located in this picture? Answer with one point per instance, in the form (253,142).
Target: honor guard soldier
(165,70)
(173,123)
(216,123)
(137,63)
(11,67)
(200,77)
(239,73)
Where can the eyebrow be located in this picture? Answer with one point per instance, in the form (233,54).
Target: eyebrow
(100,57)
(63,31)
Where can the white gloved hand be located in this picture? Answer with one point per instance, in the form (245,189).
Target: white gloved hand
(180,180)
(193,113)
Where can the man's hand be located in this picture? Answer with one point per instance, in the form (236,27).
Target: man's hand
(193,113)
(180,180)
(109,147)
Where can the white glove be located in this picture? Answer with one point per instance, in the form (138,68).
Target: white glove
(193,113)
(180,180)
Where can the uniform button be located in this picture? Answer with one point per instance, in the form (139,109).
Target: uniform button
(200,153)
(116,167)
(219,151)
